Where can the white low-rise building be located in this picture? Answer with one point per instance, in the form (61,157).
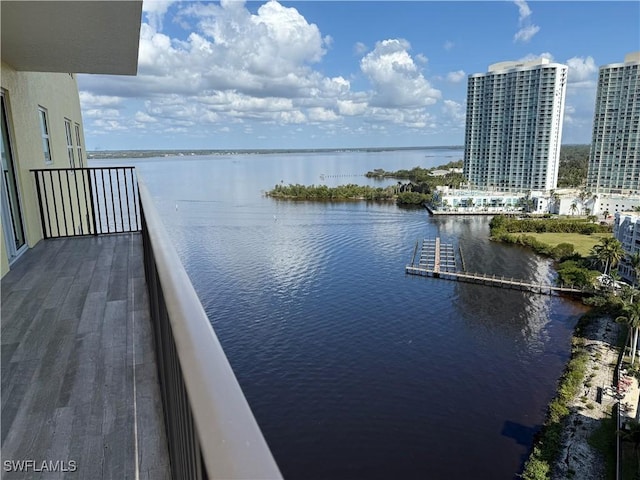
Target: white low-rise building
(461,201)
(616,203)
(626,228)
(571,202)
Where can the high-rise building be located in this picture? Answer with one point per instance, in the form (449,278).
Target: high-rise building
(614,161)
(514,126)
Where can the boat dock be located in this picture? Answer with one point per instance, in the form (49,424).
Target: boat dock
(438,260)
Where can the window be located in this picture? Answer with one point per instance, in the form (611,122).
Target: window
(79,145)
(70,153)
(44,128)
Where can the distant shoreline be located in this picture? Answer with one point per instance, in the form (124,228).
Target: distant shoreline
(104,154)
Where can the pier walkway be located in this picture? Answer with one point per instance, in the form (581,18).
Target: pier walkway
(438,260)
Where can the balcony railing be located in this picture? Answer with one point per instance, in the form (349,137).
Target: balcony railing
(87,201)
(211,431)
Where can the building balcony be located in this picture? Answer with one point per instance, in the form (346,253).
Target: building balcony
(79,374)
(110,367)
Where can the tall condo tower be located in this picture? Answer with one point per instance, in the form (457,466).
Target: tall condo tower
(614,161)
(514,126)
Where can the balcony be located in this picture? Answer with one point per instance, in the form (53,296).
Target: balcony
(110,367)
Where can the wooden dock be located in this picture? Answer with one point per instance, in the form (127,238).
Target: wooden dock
(438,260)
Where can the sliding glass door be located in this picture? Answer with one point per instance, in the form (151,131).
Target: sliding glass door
(12,223)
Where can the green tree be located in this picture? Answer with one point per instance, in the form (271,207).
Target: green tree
(608,252)
(631,318)
(634,262)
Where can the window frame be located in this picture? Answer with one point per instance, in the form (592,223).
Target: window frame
(45,132)
(79,144)
(69,137)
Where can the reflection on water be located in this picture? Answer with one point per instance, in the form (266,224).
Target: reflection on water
(352,368)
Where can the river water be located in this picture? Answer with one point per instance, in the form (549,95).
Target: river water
(353,369)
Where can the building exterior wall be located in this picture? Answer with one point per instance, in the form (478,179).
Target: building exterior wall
(626,228)
(514,126)
(24,93)
(474,201)
(617,203)
(614,160)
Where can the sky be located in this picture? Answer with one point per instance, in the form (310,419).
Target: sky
(339,74)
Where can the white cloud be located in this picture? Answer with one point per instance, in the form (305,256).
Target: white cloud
(156,10)
(448,45)
(527,29)
(360,48)
(144,117)
(89,100)
(454,113)
(421,59)
(351,108)
(457,76)
(397,80)
(100,113)
(535,56)
(318,114)
(523,8)
(582,71)
(238,67)
(525,34)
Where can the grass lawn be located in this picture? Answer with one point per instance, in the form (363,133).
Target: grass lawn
(581,243)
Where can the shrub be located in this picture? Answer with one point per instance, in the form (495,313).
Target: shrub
(562,250)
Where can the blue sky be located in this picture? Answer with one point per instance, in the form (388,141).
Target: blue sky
(333,74)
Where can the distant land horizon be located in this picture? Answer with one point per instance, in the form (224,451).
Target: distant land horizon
(146,153)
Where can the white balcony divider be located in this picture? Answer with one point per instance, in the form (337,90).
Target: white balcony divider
(211,430)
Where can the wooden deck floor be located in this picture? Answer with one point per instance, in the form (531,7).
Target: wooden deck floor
(79,382)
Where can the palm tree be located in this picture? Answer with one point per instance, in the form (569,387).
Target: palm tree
(608,252)
(631,318)
(583,196)
(634,263)
(573,208)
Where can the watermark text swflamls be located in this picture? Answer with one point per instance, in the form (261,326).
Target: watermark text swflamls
(40,466)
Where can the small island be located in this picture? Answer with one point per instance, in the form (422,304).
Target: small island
(419,189)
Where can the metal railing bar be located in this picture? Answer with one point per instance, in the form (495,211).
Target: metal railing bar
(97,218)
(113,205)
(44,231)
(126,191)
(73,221)
(119,199)
(78,169)
(75,180)
(46,203)
(64,210)
(89,201)
(55,206)
(106,212)
(136,204)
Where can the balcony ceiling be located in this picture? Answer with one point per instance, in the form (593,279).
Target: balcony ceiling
(71,36)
